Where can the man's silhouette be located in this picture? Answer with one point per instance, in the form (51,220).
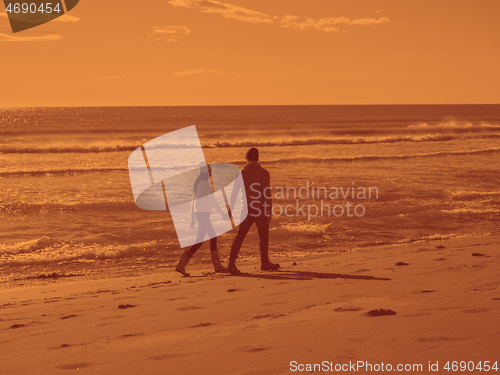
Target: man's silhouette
(257,188)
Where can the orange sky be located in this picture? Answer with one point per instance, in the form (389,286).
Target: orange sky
(209,52)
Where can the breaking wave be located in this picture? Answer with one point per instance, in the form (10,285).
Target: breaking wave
(344,141)
(386,157)
(46,250)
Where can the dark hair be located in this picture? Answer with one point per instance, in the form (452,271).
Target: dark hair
(252,154)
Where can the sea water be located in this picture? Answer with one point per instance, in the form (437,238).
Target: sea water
(66,205)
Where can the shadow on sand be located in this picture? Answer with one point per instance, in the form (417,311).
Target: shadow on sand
(305,275)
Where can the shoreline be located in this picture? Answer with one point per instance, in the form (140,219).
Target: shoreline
(205,266)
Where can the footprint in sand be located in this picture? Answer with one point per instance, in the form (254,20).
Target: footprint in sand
(202,325)
(50,300)
(187,308)
(270,316)
(130,335)
(159,284)
(162,357)
(175,299)
(205,274)
(381,312)
(363,270)
(253,349)
(69,316)
(347,308)
(126,306)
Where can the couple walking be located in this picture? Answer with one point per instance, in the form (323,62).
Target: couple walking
(256,180)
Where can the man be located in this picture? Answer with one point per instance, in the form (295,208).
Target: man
(257,187)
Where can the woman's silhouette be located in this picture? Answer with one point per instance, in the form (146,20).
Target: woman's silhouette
(202,205)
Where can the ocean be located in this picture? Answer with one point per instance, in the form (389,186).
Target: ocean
(67,208)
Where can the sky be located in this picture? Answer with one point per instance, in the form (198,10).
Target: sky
(255,52)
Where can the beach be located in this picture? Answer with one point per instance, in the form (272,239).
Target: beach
(385,224)
(443,298)
(224,187)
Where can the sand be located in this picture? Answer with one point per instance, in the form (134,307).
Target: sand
(445,296)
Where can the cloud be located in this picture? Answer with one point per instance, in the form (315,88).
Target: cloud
(44,38)
(188,73)
(228,11)
(169,33)
(369,21)
(65,18)
(330,24)
(294,22)
(112,77)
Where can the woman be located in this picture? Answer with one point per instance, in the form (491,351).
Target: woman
(201,207)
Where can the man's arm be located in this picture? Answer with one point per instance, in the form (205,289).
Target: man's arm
(237,186)
(268,200)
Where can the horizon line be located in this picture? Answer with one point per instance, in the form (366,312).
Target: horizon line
(247,105)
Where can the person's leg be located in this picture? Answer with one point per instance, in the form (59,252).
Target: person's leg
(203,223)
(202,219)
(204,226)
(193,249)
(263,228)
(213,244)
(181,267)
(238,241)
(214,255)
(210,229)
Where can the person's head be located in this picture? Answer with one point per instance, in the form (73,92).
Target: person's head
(203,168)
(252,154)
